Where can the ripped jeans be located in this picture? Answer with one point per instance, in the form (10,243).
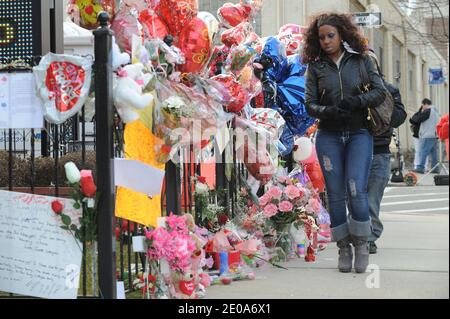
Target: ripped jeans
(345,159)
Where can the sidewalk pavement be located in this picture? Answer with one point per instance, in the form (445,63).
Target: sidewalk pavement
(412,262)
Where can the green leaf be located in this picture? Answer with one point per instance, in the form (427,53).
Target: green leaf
(65,227)
(76,205)
(73,227)
(66,220)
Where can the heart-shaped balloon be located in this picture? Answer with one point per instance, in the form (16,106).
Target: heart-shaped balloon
(236,35)
(252,6)
(230,15)
(292,36)
(152,25)
(237,95)
(187,287)
(125,25)
(177,14)
(194,42)
(87,11)
(63,83)
(211,23)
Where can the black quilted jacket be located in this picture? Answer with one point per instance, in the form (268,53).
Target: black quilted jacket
(326,85)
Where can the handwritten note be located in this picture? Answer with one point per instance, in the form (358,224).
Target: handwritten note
(37,257)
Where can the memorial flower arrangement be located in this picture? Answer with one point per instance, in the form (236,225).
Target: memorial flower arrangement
(173,243)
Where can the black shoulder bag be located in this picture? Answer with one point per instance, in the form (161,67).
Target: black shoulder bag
(379,117)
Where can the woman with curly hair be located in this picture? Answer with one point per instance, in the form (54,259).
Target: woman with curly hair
(333,49)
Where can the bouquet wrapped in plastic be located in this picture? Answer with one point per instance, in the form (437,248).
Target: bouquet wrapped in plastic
(184,114)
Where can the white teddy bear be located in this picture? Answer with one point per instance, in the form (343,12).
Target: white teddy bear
(128,94)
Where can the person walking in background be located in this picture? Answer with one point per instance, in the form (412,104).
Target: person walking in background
(428,143)
(442,132)
(333,49)
(380,171)
(415,127)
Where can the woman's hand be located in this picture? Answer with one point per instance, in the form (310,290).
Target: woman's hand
(336,113)
(351,104)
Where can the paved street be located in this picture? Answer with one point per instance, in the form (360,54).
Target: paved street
(413,257)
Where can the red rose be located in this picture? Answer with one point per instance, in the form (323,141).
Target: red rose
(57,207)
(88,187)
(125,223)
(117,230)
(222,219)
(166,149)
(202,179)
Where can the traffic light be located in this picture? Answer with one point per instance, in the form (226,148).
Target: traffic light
(20,30)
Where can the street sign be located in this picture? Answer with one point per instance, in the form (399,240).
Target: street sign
(436,76)
(368,19)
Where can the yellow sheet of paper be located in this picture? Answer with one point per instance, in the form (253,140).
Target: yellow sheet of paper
(131,205)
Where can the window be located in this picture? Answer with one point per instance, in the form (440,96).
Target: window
(396,58)
(378,45)
(411,73)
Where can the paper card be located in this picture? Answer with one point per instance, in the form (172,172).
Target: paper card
(37,257)
(19,105)
(138,176)
(120,292)
(139,244)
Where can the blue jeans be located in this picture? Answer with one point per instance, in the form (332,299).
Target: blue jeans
(378,180)
(345,159)
(427,146)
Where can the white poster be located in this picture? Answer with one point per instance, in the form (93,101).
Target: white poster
(138,176)
(19,105)
(37,257)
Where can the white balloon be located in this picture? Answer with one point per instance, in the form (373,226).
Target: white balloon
(211,23)
(304,149)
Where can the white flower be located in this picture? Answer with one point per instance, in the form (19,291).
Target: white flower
(72,173)
(174,102)
(201,189)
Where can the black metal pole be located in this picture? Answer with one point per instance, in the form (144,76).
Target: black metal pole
(173,189)
(104,157)
(221,181)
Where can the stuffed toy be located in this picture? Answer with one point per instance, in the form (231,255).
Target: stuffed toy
(89,9)
(118,58)
(185,286)
(128,95)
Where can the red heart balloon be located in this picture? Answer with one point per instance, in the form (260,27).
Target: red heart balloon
(292,36)
(236,35)
(237,95)
(153,26)
(232,14)
(65,80)
(187,287)
(177,14)
(195,43)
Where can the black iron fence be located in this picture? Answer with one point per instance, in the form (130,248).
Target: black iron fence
(32,161)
